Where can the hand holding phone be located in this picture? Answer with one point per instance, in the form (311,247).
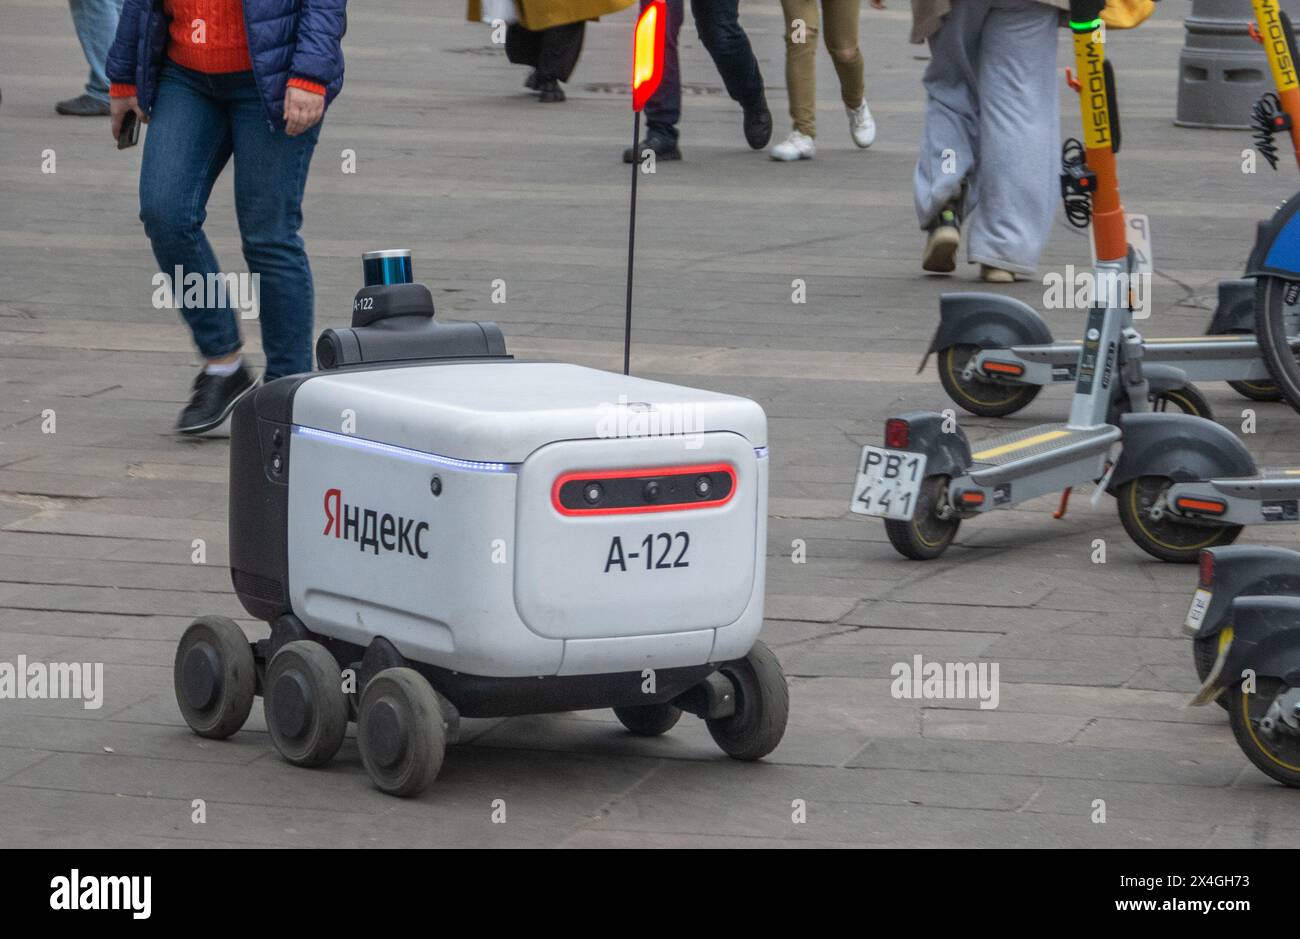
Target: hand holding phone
(129,135)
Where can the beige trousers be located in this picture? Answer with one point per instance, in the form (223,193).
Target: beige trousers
(803,21)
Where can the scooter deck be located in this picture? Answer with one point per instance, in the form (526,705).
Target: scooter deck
(1268,484)
(1037,449)
(1202,358)
(1037,441)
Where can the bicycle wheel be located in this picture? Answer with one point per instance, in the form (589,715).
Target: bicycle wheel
(1277,322)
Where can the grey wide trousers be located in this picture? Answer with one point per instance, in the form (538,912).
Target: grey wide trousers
(992,122)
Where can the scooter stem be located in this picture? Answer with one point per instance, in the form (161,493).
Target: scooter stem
(1108,230)
(1277,43)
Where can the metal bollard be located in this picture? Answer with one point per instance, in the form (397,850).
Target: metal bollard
(1221,70)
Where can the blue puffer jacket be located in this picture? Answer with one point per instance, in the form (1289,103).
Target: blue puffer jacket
(286,39)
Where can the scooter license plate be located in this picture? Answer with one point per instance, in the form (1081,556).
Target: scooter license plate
(888,483)
(1196,612)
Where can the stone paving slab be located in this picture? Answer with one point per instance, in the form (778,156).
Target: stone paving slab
(456,161)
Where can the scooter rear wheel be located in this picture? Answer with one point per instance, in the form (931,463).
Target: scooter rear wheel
(977,395)
(1275,323)
(215,677)
(1254,390)
(1277,754)
(1205,652)
(1169,538)
(400,731)
(927,535)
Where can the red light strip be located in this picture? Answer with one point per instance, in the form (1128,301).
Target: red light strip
(654,471)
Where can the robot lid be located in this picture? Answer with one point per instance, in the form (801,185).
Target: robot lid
(502,411)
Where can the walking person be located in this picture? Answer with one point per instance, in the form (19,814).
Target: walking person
(552,53)
(217,80)
(96,25)
(989,144)
(544,34)
(718,25)
(838,20)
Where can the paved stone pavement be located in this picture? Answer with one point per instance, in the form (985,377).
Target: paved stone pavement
(457,162)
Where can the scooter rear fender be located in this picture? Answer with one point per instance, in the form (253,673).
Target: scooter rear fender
(1247,571)
(987,320)
(941,439)
(1181,447)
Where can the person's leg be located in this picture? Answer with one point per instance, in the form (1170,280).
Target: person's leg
(560,47)
(185,149)
(802,22)
(949,148)
(664,109)
(841,32)
(718,25)
(270,175)
(523,46)
(96,25)
(1016,181)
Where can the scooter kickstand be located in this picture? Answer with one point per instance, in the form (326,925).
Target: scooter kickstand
(1065,503)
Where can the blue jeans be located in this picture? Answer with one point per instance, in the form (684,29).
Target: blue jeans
(96,23)
(199,121)
(718,25)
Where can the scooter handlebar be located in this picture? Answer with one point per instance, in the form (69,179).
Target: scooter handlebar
(1085,11)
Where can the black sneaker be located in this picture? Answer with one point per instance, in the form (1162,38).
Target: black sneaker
(551,92)
(664,149)
(212,400)
(532,81)
(758,126)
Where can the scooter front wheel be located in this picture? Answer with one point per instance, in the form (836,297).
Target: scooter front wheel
(978,395)
(1265,734)
(1168,537)
(1277,321)
(928,534)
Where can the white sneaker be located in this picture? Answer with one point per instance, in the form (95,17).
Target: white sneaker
(862,125)
(795,147)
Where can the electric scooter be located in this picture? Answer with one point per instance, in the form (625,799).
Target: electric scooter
(995,353)
(1224,575)
(928,476)
(1257,676)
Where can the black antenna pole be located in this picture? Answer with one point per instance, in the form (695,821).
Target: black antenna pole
(631,243)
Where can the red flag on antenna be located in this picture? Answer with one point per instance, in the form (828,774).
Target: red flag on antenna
(648,54)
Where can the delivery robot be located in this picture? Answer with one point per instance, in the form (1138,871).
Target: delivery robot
(434,529)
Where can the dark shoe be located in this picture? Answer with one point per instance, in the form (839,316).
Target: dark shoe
(663,148)
(532,81)
(551,92)
(758,126)
(212,400)
(942,242)
(84,106)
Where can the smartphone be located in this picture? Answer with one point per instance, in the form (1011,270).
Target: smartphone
(129,135)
